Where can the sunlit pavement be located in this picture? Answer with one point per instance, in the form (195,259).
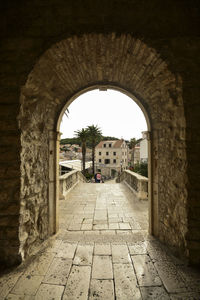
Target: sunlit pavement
(102,251)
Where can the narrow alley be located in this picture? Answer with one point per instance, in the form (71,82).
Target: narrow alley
(102,251)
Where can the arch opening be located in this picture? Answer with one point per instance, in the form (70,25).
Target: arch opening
(65,71)
(117,115)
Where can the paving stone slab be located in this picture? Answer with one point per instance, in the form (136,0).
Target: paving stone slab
(74,226)
(102,249)
(40,264)
(83,255)
(78,283)
(54,245)
(101,290)
(108,232)
(7,282)
(185,296)
(120,253)
(27,285)
(86,226)
(19,297)
(171,278)
(152,293)
(58,271)
(100,226)
(124,226)
(67,250)
(191,277)
(158,253)
(126,287)
(137,248)
(145,271)
(102,267)
(49,292)
(124,232)
(113,226)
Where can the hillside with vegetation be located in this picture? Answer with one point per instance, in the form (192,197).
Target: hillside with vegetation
(77,141)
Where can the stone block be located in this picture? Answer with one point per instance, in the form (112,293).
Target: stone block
(67,250)
(170,277)
(40,264)
(151,293)
(120,253)
(78,283)
(48,291)
(58,271)
(102,267)
(146,273)
(101,289)
(102,249)
(84,255)
(126,286)
(27,285)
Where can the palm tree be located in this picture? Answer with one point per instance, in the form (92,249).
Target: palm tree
(94,137)
(82,135)
(132,144)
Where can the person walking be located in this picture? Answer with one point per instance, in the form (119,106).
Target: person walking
(98,177)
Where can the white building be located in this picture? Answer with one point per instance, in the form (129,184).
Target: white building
(111,157)
(144,147)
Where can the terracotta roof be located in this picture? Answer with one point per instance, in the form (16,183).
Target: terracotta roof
(115,144)
(118,143)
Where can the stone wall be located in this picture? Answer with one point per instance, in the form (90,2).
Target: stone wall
(137,183)
(154,54)
(139,70)
(34,174)
(68,181)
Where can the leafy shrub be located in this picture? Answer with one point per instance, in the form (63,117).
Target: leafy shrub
(141,168)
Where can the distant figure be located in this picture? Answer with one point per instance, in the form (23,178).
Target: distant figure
(98,177)
(95,178)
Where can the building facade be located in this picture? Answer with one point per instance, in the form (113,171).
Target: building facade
(144,147)
(111,157)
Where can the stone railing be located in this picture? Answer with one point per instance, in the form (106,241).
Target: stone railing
(69,181)
(137,183)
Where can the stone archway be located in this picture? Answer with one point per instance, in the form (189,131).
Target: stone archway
(65,70)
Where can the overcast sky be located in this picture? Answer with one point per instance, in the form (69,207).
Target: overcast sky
(115,113)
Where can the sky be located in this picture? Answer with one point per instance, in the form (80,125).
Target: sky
(113,112)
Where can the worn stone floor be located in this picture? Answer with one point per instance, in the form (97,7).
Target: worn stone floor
(102,251)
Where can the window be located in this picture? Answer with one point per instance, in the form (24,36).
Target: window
(114,161)
(107,153)
(107,161)
(110,145)
(99,160)
(99,153)
(98,170)
(114,153)
(104,145)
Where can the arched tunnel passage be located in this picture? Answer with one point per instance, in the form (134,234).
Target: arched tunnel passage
(75,65)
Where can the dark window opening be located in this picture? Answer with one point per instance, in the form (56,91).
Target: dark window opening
(107,161)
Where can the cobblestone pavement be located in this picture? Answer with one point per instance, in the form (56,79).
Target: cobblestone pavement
(102,251)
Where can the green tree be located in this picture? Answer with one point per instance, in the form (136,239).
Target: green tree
(82,135)
(141,168)
(94,137)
